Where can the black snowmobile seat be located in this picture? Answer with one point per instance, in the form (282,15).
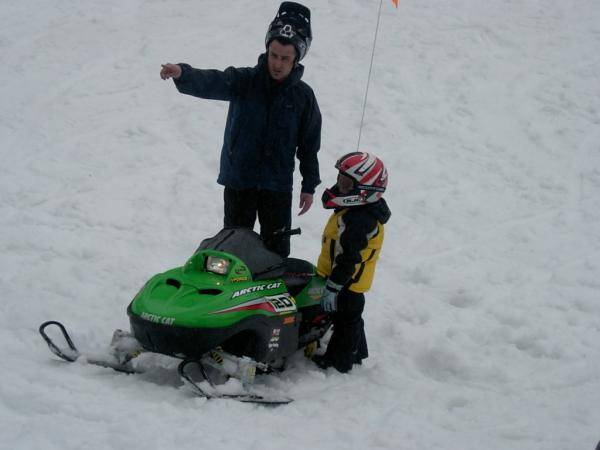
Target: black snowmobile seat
(297,274)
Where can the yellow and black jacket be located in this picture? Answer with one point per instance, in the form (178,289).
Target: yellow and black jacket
(352,241)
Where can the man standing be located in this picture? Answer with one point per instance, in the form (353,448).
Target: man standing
(273,117)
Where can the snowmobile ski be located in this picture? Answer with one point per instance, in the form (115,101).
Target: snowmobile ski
(246,397)
(118,360)
(124,348)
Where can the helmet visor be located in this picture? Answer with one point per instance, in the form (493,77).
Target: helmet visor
(345,184)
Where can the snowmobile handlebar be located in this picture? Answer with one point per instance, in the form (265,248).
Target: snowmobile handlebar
(282,233)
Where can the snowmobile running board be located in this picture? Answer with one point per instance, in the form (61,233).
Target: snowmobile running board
(72,354)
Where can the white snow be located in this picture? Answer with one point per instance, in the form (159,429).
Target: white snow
(484,321)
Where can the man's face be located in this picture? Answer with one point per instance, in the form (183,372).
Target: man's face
(280,60)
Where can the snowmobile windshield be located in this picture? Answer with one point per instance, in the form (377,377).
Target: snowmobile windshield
(250,248)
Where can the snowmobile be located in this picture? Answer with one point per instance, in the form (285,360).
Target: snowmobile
(234,309)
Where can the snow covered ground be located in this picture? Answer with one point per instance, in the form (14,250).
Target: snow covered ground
(484,322)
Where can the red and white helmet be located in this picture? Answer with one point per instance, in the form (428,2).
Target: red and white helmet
(370,180)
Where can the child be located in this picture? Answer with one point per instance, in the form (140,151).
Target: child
(352,240)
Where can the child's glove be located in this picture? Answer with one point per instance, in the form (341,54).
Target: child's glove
(329,299)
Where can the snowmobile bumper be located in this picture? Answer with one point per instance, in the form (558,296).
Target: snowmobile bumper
(262,338)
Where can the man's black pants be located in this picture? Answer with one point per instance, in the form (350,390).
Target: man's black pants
(274,211)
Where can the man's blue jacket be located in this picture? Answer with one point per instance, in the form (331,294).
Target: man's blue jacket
(267,125)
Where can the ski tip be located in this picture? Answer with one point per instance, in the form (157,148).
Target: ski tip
(69,353)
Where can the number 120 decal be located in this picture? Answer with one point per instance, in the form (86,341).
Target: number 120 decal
(282,303)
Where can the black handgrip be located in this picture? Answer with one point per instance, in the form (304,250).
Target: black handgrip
(290,232)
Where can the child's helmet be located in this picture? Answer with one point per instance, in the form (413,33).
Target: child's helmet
(370,180)
(291,25)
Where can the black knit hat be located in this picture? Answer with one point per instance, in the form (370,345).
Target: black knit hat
(291,25)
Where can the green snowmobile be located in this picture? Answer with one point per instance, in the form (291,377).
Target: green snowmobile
(233,309)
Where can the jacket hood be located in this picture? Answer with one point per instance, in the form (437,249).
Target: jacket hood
(380,210)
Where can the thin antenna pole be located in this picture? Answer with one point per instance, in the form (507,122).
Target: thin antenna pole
(362,119)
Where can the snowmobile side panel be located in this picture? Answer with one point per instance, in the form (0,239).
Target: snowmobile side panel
(311,294)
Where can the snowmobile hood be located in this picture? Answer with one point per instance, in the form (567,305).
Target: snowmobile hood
(193,296)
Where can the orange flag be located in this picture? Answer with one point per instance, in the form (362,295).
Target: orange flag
(395,2)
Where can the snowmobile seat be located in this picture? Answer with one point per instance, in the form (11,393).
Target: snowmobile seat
(297,273)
